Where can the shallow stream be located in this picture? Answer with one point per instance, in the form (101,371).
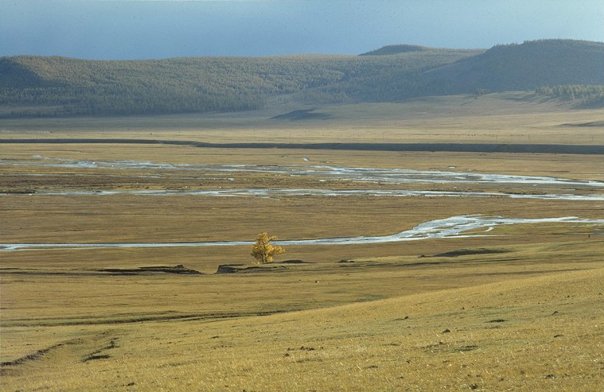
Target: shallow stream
(452,227)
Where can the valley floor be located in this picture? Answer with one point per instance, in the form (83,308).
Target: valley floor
(490,306)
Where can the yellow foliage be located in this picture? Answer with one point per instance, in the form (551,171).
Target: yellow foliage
(263,250)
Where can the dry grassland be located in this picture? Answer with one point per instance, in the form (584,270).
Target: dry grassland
(541,332)
(519,309)
(495,118)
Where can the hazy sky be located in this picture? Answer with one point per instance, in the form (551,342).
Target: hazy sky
(128,29)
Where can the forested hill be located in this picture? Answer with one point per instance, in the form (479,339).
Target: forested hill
(394,49)
(55,86)
(61,86)
(527,66)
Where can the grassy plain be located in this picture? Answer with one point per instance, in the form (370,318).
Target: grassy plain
(520,310)
(515,117)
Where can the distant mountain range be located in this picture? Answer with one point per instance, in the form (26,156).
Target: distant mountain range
(55,86)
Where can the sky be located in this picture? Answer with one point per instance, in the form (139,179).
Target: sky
(143,29)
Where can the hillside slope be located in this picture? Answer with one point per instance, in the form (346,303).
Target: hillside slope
(394,49)
(524,67)
(54,86)
(530,334)
(61,86)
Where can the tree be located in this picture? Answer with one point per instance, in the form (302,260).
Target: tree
(263,250)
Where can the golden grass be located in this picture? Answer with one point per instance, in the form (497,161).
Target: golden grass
(495,118)
(527,318)
(539,333)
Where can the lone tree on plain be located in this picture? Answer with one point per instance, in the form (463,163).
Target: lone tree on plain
(263,250)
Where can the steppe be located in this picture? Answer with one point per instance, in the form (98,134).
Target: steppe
(496,307)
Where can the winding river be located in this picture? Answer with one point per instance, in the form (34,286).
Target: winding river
(452,227)
(289,192)
(358,174)
(391,176)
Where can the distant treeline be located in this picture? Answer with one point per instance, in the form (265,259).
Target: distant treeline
(586,95)
(119,100)
(55,86)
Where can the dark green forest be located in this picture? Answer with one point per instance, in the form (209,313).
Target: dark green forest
(55,86)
